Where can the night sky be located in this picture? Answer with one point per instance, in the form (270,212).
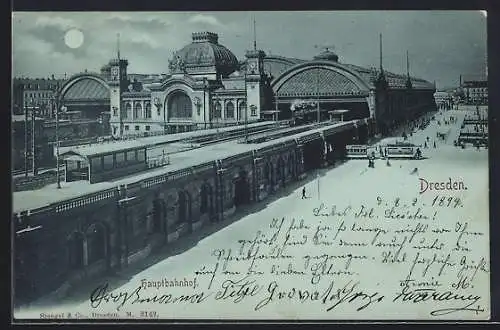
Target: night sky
(441,44)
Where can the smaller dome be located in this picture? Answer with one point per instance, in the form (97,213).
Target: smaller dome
(327,55)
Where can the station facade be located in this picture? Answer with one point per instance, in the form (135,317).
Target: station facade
(207,87)
(100,232)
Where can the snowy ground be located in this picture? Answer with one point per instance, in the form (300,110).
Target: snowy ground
(337,272)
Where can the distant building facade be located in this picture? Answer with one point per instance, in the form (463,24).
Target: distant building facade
(35,92)
(475,90)
(444,100)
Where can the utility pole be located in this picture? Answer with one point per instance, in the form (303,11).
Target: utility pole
(57,143)
(33,148)
(26,145)
(246,108)
(317,94)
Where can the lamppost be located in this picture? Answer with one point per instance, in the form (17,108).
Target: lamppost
(205,87)
(246,108)
(100,121)
(26,144)
(317,94)
(158,105)
(197,103)
(63,109)
(33,146)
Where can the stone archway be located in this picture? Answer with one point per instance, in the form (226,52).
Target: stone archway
(280,170)
(207,200)
(97,241)
(241,188)
(269,175)
(159,224)
(183,207)
(291,164)
(76,251)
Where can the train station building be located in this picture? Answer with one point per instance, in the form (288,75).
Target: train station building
(208,86)
(123,200)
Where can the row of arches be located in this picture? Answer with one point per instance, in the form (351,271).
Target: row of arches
(137,110)
(92,245)
(278,173)
(229,110)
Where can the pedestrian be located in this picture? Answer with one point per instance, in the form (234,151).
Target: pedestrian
(434,144)
(304,193)
(425,144)
(415,171)
(418,154)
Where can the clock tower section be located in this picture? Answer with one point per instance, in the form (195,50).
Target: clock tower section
(255,83)
(118,83)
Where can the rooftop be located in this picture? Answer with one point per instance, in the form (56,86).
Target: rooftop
(18,118)
(108,147)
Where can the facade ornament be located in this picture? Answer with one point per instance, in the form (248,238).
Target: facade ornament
(176,64)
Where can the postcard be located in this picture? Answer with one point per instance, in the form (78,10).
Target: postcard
(250,166)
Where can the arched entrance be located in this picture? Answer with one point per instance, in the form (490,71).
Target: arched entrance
(280,170)
(76,251)
(180,106)
(241,189)
(268,174)
(334,85)
(291,164)
(96,243)
(183,207)
(159,215)
(207,200)
(87,93)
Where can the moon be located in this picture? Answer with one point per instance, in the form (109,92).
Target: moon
(73,38)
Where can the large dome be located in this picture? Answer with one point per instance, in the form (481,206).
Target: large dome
(205,54)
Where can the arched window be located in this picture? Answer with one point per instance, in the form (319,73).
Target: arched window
(148,110)
(137,110)
(229,110)
(241,110)
(180,105)
(128,110)
(218,110)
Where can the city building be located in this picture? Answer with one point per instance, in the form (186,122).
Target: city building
(444,99)
(207,87)
(35,92)
(475,90)
(120,218)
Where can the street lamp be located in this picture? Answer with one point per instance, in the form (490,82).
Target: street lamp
(26,145)
(158,105)
(205,87)
(317,93)
(63,109)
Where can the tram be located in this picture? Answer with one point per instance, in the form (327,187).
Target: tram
(403,150)
(360,151)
